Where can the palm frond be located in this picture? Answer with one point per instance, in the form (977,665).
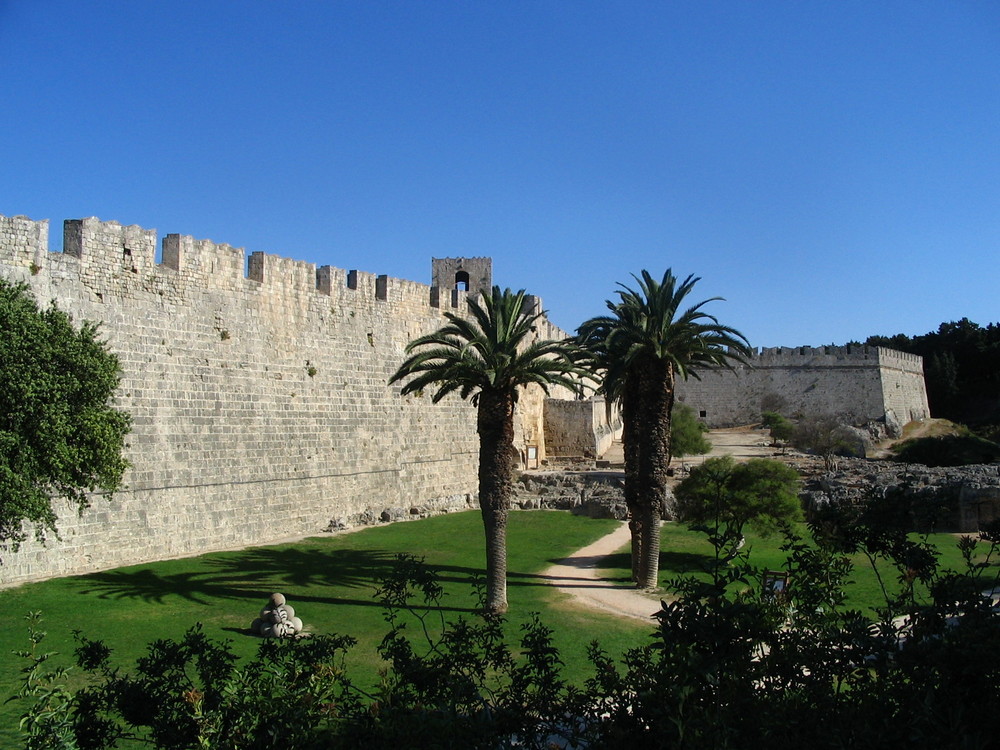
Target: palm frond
(655,319)
(492,348)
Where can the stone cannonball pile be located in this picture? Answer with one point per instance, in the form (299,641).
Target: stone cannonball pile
(277,619)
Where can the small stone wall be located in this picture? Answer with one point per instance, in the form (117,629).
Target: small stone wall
(594,494)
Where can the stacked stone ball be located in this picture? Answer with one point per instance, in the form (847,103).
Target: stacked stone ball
(277,619)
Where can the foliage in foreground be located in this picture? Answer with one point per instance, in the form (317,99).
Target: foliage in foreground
(729,665)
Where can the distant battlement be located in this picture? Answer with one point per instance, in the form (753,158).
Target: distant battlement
(836,356)
(93,248)
(858,383)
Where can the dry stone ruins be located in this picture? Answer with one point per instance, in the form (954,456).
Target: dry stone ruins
(257,389)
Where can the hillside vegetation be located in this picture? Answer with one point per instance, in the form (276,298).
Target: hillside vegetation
(962,366)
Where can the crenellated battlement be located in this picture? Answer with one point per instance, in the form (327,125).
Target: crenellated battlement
(836,356)
(126,254)
(857,383)
(259,392)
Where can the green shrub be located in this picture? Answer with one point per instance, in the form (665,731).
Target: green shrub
(687,434)
(947,450)
(59,435)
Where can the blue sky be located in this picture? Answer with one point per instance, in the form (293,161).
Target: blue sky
(831,169)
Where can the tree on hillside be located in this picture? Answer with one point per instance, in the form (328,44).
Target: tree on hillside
(488,358)
(647,342)
(59,437)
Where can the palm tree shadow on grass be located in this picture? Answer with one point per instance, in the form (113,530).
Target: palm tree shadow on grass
(313,575)
(683,563)
(672,563)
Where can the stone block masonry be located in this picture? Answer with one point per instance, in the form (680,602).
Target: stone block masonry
(856,383)
(257,388)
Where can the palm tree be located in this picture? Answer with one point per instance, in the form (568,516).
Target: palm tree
(487,358)
(647,342)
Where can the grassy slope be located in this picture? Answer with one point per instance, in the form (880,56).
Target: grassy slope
(330,582)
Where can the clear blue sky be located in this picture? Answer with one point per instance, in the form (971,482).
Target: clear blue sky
(831,168)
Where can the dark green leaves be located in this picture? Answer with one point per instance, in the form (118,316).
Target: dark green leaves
(58,435)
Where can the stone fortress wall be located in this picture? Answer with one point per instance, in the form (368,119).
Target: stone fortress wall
(857,383)
(257,388)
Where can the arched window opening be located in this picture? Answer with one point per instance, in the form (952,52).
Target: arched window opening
(462,281)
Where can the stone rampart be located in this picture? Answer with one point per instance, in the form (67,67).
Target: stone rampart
(580,428)
(855,382)
(258,392)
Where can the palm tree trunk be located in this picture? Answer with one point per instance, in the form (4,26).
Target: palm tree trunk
(650,548)
(635,534)
(496,470)
(655,391)
(631,447)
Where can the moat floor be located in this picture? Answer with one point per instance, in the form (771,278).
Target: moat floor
(580,574)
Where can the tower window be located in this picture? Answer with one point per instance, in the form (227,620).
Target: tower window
(462,281)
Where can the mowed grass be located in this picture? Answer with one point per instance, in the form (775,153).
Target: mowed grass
(687,552)
(330,582)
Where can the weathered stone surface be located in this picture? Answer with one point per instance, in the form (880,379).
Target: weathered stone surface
(958,499)
(857,382)
(258,390)
(394,514)
(591,493)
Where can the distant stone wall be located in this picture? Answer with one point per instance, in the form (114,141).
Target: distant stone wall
(857,383)
(593,494)
(579,428)
(258,392)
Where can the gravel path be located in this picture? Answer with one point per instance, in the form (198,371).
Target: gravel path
(578,576)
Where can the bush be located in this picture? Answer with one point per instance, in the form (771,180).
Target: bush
(687,434)
(823,435)
(947,450)
(780,429)
(726,496)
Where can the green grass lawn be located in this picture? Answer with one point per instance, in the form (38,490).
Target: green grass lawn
(683,552)
(329,581)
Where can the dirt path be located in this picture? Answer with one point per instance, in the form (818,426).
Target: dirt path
(578,576)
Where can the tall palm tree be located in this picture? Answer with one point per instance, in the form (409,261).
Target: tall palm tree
(487,358)
(649,340)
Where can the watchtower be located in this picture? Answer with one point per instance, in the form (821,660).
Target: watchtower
(471,275)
